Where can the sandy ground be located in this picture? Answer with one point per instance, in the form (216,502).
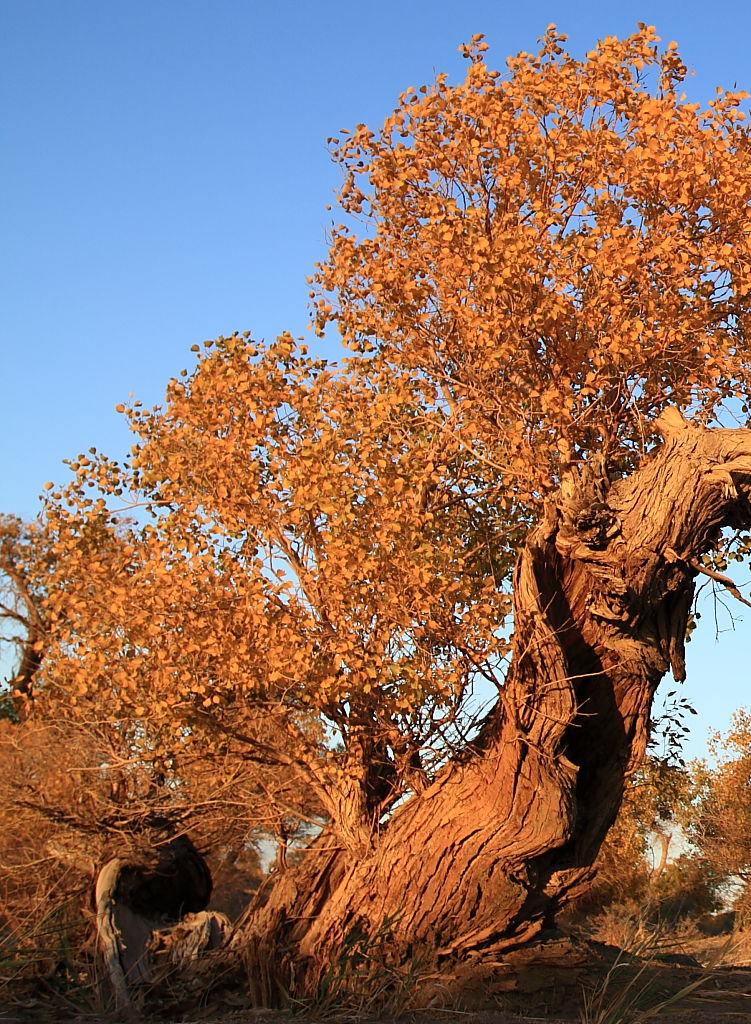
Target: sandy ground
(691,981)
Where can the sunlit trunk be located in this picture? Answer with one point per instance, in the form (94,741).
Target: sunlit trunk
(508,833)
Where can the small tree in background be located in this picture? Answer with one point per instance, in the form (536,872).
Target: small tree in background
(721,824)
(24,570)
(629,888)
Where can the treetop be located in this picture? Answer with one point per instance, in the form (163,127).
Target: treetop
(562,249)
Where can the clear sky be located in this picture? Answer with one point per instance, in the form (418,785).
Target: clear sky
(164,177)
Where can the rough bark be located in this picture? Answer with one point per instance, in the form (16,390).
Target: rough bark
(484,858)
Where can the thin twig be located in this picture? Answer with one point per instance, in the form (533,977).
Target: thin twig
(721,578)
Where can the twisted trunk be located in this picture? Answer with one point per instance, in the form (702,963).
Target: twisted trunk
(508,832)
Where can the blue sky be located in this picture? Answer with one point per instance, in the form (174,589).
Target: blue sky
(164,179)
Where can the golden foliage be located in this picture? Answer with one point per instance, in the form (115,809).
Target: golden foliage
(294,562)
(561,249)
(313,561)
(721,823)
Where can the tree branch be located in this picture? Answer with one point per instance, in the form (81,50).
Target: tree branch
(720,578)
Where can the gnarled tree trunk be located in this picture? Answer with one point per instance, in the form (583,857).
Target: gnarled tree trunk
(142,893)
(507,833)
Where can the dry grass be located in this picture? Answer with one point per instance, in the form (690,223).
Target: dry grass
(49,973)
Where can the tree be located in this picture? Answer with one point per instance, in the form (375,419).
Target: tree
(22,628)
(635,853)
(324,562)
(719,824)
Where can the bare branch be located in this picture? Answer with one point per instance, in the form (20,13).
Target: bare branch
(720,578)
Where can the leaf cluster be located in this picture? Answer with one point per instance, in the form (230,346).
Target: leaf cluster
(561,249)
